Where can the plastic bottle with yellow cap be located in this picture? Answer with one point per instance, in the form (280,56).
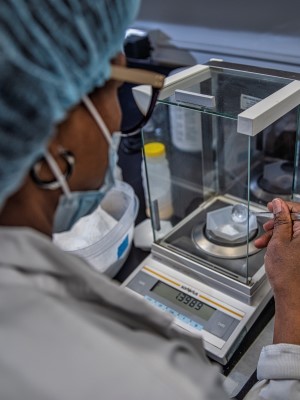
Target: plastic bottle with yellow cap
(159,179)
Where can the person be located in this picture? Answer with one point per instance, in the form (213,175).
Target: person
(66,331)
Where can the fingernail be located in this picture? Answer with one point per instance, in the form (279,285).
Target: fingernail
(276,206)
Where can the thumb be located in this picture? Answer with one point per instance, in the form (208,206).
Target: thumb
(283,227)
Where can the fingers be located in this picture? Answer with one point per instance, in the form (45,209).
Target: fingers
(268,226)
(296,229)
(283,228)
(263,240)
(282,210)
(270,206)
(293,207)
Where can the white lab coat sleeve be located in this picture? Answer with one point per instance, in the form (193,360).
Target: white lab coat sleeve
(278,372)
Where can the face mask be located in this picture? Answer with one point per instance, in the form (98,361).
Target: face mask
(74,205)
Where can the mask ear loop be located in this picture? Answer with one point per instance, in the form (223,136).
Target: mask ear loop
(94,112)
(97,118)
(58,174)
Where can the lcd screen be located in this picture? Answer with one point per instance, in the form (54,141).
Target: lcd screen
(184,301)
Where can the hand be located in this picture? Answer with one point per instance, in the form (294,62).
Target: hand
(263,240)
(282,264)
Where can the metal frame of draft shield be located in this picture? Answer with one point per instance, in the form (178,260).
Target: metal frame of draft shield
(250,122)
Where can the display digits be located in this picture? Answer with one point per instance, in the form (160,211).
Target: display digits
(193,303)
(187,299)
(180,296)
(190,301)
(183,300)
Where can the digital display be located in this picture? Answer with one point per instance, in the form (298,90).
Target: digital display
(183,300)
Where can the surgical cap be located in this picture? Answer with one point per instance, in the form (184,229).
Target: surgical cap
(52,53)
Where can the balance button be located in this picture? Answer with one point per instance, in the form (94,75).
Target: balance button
(171,311)
(148,298)
(195,325)
(184,318)
(221,325)
(161,306)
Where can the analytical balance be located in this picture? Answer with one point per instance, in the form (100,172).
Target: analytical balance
(210,279)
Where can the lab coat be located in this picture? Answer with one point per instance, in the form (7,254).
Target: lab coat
(67,332)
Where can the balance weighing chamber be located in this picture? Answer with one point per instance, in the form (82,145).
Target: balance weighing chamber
(211,278)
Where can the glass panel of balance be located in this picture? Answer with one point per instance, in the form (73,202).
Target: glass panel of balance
(231,138)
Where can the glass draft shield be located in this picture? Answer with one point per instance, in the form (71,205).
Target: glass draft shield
(231,138)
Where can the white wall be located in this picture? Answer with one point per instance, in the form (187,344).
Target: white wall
(257,32)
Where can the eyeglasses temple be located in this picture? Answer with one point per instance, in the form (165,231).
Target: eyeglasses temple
(137,76)
(136,128)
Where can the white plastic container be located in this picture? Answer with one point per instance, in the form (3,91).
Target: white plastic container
(108,254)
(159,179)
(186,127)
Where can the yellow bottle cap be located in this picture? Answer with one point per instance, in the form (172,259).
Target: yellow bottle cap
(154,149)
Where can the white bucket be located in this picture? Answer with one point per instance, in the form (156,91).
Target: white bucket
(108,254)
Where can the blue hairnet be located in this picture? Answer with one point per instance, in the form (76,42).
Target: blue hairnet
(52,53)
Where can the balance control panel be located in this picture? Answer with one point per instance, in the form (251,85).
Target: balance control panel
(221,320)
(192,312)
